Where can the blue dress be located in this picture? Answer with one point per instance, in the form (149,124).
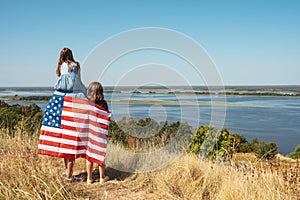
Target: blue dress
(69,82)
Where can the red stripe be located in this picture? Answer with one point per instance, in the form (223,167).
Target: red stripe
(96,151)
(75,110)
(101,108)
(76,100)
(91,159)
(60,145)
(85,111)
(60,135)
(75,129)
(96,143)
(83,101)
(98,134)
(85,121)
(60,155)
(84,130)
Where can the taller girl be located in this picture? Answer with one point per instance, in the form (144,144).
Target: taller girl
(69,82)
(68,71)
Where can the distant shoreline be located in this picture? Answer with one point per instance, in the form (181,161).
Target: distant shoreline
(45,98)
(268,91)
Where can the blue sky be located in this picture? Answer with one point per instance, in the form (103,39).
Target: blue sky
(251,42)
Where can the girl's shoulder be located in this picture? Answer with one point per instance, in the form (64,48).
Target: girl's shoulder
(102,103)
(68,67)
(64,68)
(71,64)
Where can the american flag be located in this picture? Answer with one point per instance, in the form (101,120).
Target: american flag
(74,128)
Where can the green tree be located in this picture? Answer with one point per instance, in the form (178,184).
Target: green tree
(264,150)
(210,142)
(296,153)
(116,134)
(25,118)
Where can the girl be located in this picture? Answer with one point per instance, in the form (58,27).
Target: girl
(95,94)
(69,83)
(68,71)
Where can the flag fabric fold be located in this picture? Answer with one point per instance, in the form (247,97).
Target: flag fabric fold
(74,127)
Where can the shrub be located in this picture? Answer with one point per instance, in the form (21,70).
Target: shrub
(264,150)
(116,134)
(13,117)
(149,133)
(213,143)
(296,153)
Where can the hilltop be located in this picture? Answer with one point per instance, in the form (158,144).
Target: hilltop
(26,175)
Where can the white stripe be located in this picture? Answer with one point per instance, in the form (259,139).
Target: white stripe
(85,116)
(51,129)
(74,114)
(84,125)
(75,133)
(63,141)
(98,139)
(61,150)
(96,156)
(64,131)
(87,107)
(92,146)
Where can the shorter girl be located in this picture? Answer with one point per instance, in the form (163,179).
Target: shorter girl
(95,94)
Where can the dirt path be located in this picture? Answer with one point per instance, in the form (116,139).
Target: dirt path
(121,186)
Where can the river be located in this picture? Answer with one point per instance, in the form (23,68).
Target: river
(275,119)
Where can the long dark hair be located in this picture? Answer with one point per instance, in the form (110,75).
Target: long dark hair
(66,55)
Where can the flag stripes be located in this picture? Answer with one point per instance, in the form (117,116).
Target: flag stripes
(73,128)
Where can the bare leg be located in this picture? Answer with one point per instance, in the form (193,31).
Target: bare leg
(69,163)
(102,171)
(103,178)
(66,163)
(89,170)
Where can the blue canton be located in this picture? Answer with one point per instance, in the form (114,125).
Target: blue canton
(52,114)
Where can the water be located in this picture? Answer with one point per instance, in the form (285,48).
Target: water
(266,118)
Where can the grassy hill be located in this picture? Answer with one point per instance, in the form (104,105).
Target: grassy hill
(27,175)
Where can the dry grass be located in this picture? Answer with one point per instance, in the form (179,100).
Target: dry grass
(26,175)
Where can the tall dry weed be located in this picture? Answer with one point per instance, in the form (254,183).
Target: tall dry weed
(193,178)
(26,175)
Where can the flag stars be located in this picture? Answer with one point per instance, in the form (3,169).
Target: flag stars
(53,112)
